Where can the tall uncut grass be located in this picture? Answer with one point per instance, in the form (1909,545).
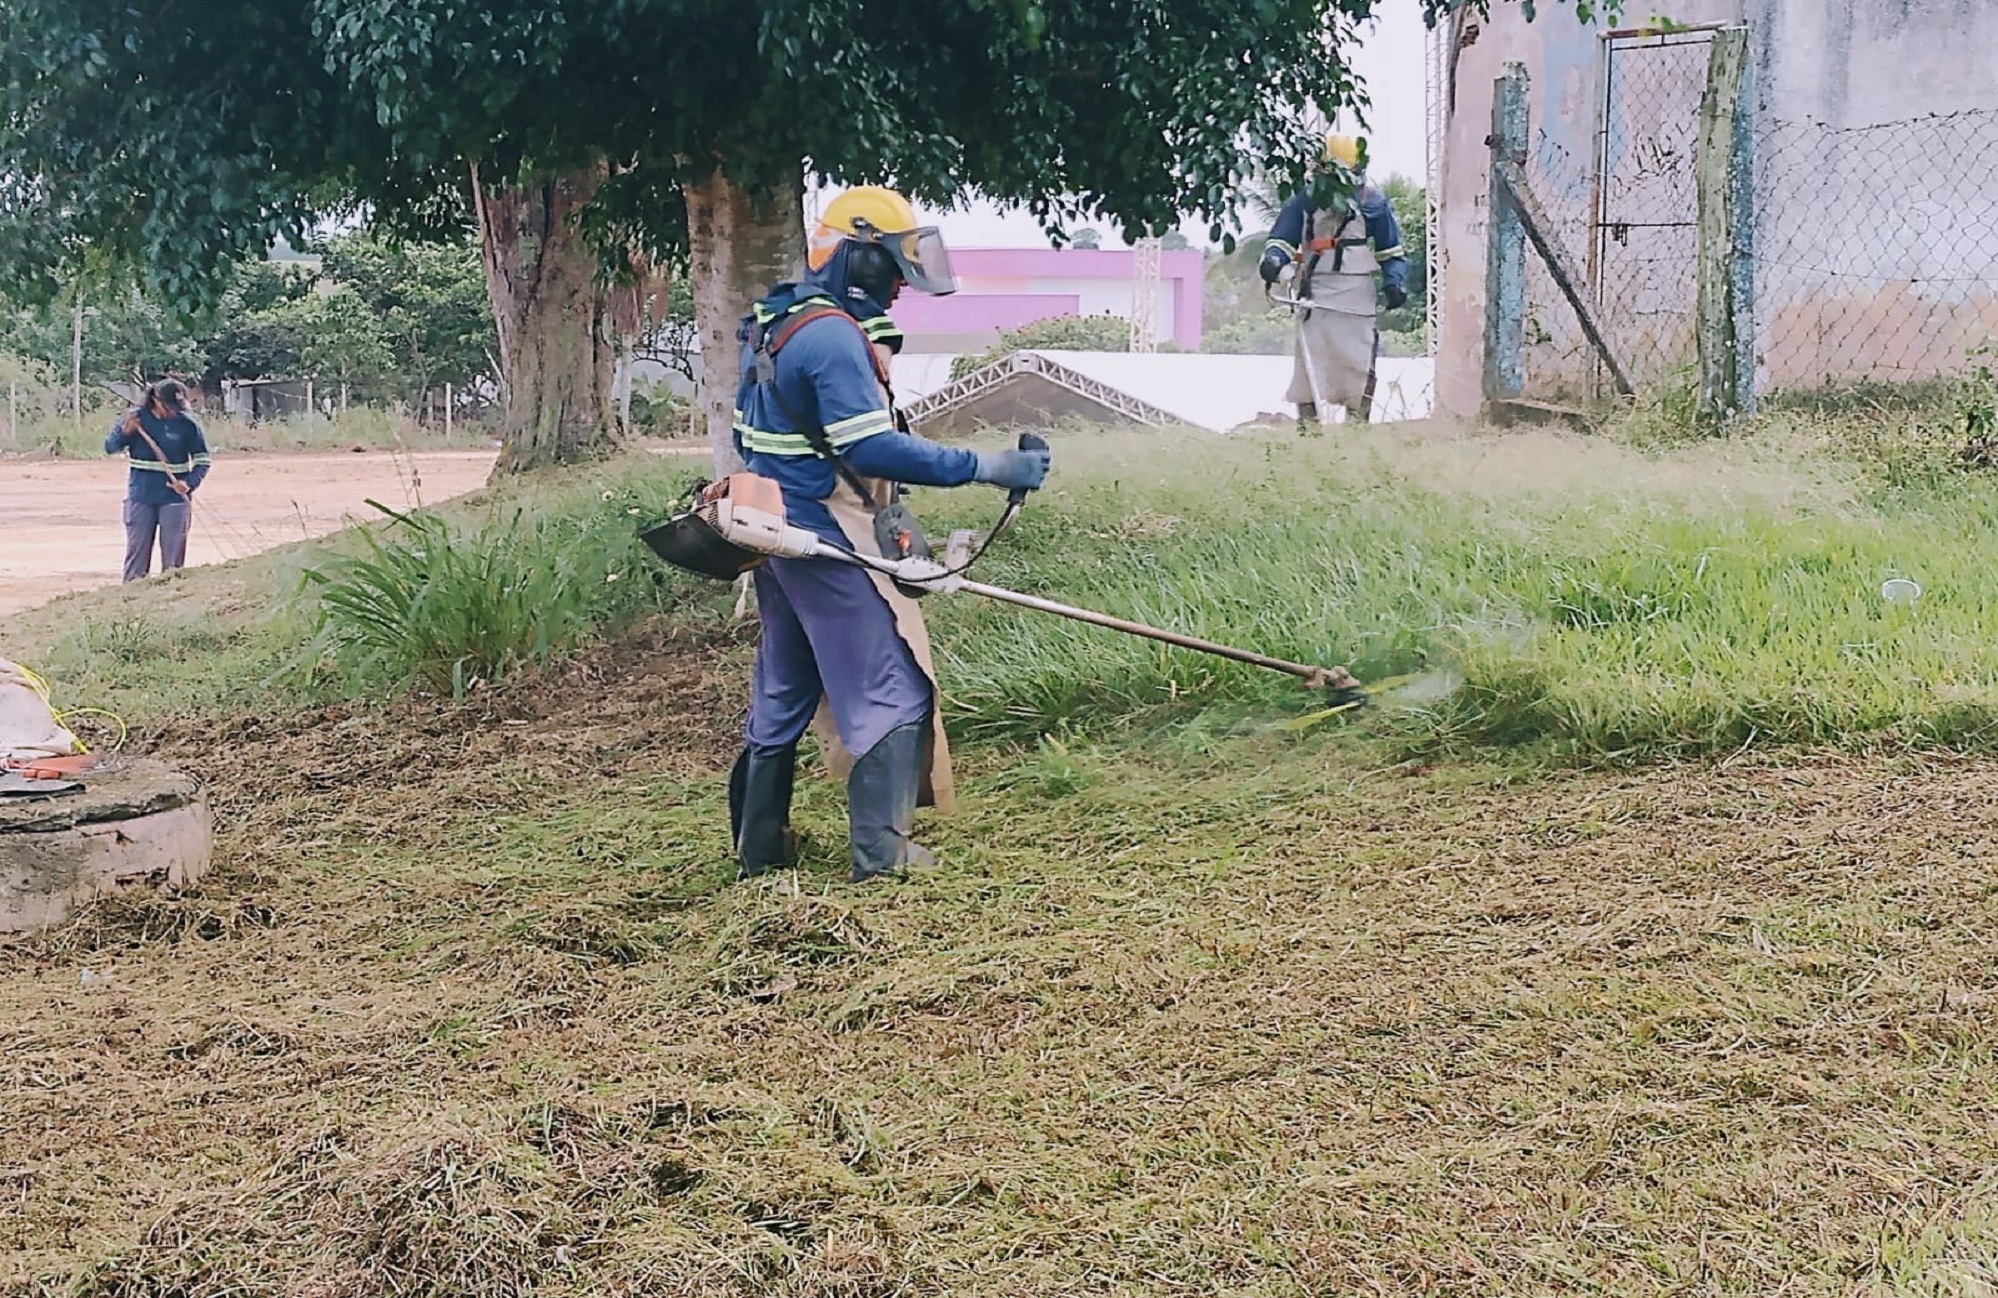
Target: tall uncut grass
(450,603)
(1573,591)
(1587,594)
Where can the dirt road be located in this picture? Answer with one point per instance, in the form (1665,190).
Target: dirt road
(59,529)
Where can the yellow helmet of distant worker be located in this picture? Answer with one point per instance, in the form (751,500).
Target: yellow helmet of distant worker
(1342,149)
(877,231)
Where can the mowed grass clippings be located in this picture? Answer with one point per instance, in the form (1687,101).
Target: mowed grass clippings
(1250,1022)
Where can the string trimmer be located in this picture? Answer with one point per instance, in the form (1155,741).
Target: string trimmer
(739,522)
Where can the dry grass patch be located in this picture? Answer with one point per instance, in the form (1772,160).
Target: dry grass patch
(1263,1023)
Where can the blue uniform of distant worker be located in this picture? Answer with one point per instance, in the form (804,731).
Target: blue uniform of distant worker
(814,414)
(169,458)
(1335,252)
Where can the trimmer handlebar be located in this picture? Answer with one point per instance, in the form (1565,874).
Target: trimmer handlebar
(1283,299)
(1028,442)
(1306,304)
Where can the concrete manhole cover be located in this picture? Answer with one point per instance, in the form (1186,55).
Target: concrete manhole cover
(138,824)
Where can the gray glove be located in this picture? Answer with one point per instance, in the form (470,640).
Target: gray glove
(1014,470)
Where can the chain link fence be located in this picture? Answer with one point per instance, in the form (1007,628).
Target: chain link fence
(1555,358)
(1876,250)
(1644,247)
(1626,213)
(1872,250)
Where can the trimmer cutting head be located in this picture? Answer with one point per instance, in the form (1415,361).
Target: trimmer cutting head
(1343,690)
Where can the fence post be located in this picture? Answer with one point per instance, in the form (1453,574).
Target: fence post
(1742,188)
(1505,244)
(1724,323)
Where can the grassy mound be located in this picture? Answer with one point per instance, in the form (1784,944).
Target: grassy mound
(1584,597)
(1603,600)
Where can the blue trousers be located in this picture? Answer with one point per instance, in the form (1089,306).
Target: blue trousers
(142,521)
(827,631)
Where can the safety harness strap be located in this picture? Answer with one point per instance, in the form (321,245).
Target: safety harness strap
(788,327)
(1335,245)
(770,342)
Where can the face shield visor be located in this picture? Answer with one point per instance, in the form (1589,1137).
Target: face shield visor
(923,260)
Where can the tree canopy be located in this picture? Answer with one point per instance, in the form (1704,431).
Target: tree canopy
(180,137)
(183,135)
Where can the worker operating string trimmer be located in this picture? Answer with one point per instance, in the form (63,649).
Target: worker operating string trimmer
(836,556)
(1327,246)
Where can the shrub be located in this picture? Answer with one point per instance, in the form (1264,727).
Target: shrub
(658,411)
(1268,333)
(449,607)
(1065,333)
(1976,409)
(1413,342)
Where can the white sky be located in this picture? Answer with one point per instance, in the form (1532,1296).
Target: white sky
(1389,62)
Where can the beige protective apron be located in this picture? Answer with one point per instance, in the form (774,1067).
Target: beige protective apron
(938,790)
(1342,334)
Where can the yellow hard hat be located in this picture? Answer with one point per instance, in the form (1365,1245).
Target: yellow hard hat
(882,210)
(872,214)
(1342,149)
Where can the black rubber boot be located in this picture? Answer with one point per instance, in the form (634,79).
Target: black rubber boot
(759,812)
(881,804)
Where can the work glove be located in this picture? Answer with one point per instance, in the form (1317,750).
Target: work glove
(1014,470)
(1397,298)
(1272,264)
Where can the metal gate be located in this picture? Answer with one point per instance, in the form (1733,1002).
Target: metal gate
(1643,253)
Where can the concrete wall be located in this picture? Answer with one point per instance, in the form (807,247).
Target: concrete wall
(1869,246)
(1002,288)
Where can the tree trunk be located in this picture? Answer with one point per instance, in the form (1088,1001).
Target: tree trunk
(548,304)
(76,361)
(741,243)
(622,387)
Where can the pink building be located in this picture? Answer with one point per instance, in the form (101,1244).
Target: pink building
(1004,288)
